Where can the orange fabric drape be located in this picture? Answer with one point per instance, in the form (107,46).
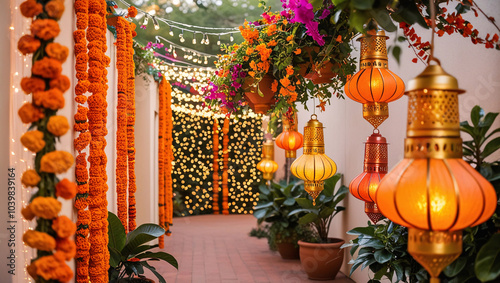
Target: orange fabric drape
(225,152)
(216,167)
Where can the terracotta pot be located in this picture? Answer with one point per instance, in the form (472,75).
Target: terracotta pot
(258,103)
(322,261)
(288,251)
(310,71)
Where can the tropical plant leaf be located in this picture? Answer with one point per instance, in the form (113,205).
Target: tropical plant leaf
(305,203)
(455,267)
(263,205)
(116,232)
(114,257)
(141,235)
(475,115)
(160,255)
(487,266)
(308,218)
(158,275)
(370,231)
(289,201)
(491,147)
(259,214)
(382,256)
(143,248)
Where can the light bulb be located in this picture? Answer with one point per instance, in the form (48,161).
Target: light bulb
(182,39)
(156,24)
(194,40)
(231,38)
(171,32)
(146,20)
(207,42)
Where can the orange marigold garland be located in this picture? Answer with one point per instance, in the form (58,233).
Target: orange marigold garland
(225,152)
(168,158)
(161,158)
(216,167)
(47,98)
(121,123)
(97,117)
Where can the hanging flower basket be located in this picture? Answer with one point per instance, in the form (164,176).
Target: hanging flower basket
(262,98)
(320,73)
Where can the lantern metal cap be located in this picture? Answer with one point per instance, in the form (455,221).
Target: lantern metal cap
(434,77)
(314,122)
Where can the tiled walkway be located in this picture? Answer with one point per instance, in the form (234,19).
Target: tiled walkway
(217,248)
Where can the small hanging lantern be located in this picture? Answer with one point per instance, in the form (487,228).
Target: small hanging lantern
(290,140)
(313,166)
(433,191)
(366,184)
(267,165)
(374,85)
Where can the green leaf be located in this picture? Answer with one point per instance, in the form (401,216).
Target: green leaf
(382,256)
(308,218)
(317,4)
(114,257)
(399,271)
(263,189)
(325,212)
(362,4)
(491,147)
(158,275)
(358,19)
(160,255)
(142,248)
(475,115)
(141,235)
(383,19)
(455,267)
(259,214)
(289,201)
(305,203)
(370,231)
(116,232)
(263,205)
(396,52)
(487,265)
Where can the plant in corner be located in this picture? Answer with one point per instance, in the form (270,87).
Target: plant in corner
(321,256)
(274,206)
(130,253)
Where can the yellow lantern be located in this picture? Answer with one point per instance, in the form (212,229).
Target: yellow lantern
(313,166)
(374,85)
(267,165)
(433,191)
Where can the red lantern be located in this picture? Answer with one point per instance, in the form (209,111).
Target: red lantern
(366,184)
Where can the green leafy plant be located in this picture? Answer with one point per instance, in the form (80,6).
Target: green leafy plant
(130,253)
(320,216)
(274,207)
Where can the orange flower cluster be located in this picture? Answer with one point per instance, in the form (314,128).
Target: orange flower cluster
(169,158)
(98,257)
(215,147)
(248,33)
(264,52)
(66,189)
(47,86)
(225,155)
(132,12)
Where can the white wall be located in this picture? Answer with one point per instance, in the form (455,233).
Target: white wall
(477,71)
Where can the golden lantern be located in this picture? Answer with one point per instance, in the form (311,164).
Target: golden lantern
(267,165)
(433,191)
(374,85)
(313,166)
(290,140)
(364,186)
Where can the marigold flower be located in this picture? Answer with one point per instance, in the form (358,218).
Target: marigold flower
(58,125)
(297,51)
(27,213)
(47,68)
(56,162)
(132,11)
(45,29)
(39,240)
(30,178)
(30,8)
(50,267)
(55,8)
(79,37)
(29,113)
(66,189)
(61,82)
(57,51)
(45,207)
(32,84)
(28,44)
(32,271)
(67,247)
(33,140)
(63,226)
(52,99)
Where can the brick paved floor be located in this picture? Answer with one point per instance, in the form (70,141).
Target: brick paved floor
(217,248)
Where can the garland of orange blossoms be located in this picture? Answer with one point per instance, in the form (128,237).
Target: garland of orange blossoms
(81,142)
(169,158)
(121,124)
(216,167)
(132,188)
(225,152)
(97,115)
(161,157)
(52,235)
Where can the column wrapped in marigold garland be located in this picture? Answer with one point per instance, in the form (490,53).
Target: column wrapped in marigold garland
(52,237)
(169,158)
(161,157)
(215,175)
(225,154)
(97,116)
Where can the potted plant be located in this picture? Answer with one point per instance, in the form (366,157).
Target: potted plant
(321,257)
(130,253)
(274,206)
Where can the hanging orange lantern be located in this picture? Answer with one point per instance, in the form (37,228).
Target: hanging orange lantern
(366,184)
(374,85)
(290,140)
(267,165)
(433,191)
(313,166)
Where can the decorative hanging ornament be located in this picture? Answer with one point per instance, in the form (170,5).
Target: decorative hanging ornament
(290,140)
(366,184)
(374,85)
(313,166)
(433,191)
(267,165)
